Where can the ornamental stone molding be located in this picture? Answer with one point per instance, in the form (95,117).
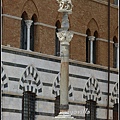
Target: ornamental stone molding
(65,6)
(28,23)
(30,80)
(116,45)
(91,38)
(65,37)
(92,90)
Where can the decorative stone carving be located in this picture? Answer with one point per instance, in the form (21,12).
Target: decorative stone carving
(65,6)
(116,44)
(65,37)
(91,38)
(28,23)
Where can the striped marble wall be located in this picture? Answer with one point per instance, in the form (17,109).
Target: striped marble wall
(30,71)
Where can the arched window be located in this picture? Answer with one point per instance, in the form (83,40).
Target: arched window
(57,105)
(28,106)
(90,110)
(88,32)
(115,52)
(116,2)
(95,47)
(91,94)
(57,42)
(23,40)
(32,32)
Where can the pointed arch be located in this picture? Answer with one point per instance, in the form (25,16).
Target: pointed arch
(92,90)
(96,34)
(30,7)
(4,78)
(115,33)
(24,15)
(30,80)
(93,26)
(115,40)
(114,94)
(56,87)
(34,17)
(33,32)
(23,37)
(88,32)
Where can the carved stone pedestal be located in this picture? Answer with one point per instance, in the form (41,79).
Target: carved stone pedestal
(64,116)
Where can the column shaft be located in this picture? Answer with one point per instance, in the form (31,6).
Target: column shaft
(64,78)
(28,23)
(91,38)
(91,51)
(28,38)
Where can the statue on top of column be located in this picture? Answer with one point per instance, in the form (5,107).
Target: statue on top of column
(65,6)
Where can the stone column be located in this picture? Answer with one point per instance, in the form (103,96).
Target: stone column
(117,46)
(65,36)
(91,38)
(28,23)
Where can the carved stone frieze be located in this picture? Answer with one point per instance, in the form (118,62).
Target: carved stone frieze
(65,37)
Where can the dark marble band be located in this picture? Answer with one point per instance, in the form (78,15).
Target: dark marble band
(64,107)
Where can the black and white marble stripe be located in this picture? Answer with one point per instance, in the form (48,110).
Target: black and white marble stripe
(29,85)
(56,87)
(92,93)
(114,94)
(4,78)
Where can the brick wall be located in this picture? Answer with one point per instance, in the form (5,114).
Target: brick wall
(86,14)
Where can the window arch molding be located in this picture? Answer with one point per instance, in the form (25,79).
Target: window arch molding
(56,87)
(114,94)
(92,92)
(4,78)
(30,80)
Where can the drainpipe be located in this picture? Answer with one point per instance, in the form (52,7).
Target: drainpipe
(108,59)
(1,80)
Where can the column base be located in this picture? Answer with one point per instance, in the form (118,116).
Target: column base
(64,116)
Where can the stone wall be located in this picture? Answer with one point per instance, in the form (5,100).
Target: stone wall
(15,62)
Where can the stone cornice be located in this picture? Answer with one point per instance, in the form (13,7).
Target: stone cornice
(11,16)
(57,58)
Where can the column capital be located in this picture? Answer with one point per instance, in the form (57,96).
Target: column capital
(65,37)
(116,45)
(65,6)
(28,23)
(91,38)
